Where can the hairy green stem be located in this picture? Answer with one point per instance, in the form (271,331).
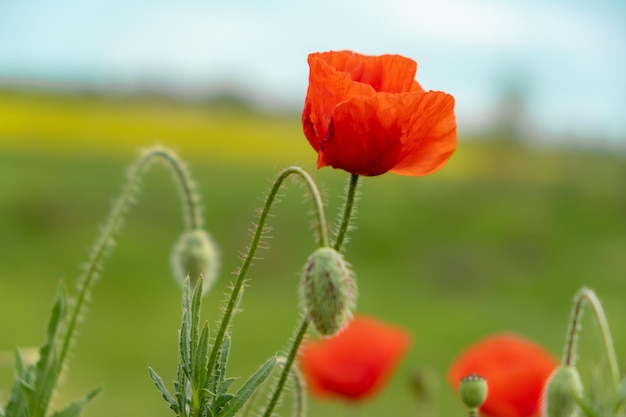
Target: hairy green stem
(344,227)
(569,358)
(291,357)
(104,241)
(322,231)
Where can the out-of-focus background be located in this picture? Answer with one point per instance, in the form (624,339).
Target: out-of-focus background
(531,207)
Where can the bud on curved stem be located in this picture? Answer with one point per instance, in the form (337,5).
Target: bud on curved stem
(328,290)
(195,256)
(569,357)
(322,236)
(344,227)
(104,240)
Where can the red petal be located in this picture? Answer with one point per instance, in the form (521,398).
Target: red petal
(430,138)
(365,137)
(385,73)
(516,371)
(355,363)
(327,88)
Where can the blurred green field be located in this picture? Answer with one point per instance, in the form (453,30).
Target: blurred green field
(500,240)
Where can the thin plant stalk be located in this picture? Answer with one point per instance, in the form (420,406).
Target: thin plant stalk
(322,235)
(569,357)
(344,227)
(104,241)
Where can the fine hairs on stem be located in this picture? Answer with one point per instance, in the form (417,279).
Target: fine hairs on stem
(105,240)
(237,289)
(586,295)
(344,227)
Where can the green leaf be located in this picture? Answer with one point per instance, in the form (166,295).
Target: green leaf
(48,367)
(161,387)
(586,408)
(221,401)
(185,333)
(74,409)
(196,304)
(219,373)
(248,388)
(201,358)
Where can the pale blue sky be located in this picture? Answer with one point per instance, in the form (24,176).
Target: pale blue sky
(570,54)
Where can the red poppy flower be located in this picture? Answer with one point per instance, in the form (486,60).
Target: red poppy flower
(516,371)
(367,115)
(355,363)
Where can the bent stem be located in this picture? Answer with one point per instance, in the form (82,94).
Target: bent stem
(322,232)
(104,241)
(344,227)
(569,358)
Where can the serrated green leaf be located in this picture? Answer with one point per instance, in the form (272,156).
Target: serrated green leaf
(201,358)
(221,401)
(164,392)
(74,409)
(219,373)
(225,385)
(196,304)
(59,311)
(48,367)
(185,333)
(248,388)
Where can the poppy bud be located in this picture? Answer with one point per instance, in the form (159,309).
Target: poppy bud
(561,391)
(195,255)
(328,290)
(473,391)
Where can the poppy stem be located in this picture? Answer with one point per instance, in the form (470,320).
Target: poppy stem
(344,227)
(569,358)
(291,357)
(473,412)
(304,325)
(235,295)
(104,241)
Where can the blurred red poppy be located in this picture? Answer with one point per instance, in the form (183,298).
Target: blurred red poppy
(356,363)
(367,115)
(516,370)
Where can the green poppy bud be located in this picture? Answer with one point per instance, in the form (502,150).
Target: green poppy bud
(473,391)
(561,391)
(195,255)
(328,290)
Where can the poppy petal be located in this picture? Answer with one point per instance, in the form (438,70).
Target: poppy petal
(430,138)
(516,371)
(355,363)
(385,73)
(365,135)
(327,88)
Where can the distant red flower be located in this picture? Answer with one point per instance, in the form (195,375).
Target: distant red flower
(356,363)
(516,371)
(367,115)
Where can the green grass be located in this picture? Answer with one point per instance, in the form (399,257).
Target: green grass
(500,240)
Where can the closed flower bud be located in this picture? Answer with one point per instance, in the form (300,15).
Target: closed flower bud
(473,391)
(195,255)
(328,290)
(561,391)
